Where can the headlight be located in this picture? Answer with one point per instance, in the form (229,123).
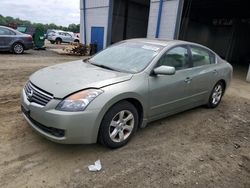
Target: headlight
(78,101)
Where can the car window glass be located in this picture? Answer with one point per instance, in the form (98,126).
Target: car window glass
(128,56)
(201,57)
(4,31)
(176,57)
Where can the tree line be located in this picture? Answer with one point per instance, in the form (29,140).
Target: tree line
(14,22)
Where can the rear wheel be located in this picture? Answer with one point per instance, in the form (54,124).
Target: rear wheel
(76,41)
(216,95)
(18,48)
(118,125)
(58,41)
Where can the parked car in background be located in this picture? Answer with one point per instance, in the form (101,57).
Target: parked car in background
(122,88)
(14,41)
(47,33)
(77,35)
(58,37)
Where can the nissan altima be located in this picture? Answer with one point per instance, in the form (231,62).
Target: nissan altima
(108,97)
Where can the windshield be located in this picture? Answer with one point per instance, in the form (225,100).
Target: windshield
(126,57)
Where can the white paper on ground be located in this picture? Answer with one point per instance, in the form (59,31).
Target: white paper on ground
(96,167)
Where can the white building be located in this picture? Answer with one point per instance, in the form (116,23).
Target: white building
(109,21)
(223,25)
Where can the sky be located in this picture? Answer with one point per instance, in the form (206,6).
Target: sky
(60,12)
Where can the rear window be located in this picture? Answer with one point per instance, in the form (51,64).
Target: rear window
(22,29)
(201,56)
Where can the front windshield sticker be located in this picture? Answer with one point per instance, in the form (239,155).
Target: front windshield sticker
(153,48)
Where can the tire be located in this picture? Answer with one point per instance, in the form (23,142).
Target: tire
(216,95)
(58,41)
(76,41)
(52,42)
(18,48)
(118,125)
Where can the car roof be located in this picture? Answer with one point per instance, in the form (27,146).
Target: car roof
(161,42)
(165,43)
(6,27)
(9,28)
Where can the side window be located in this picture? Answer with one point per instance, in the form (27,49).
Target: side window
(201,57)
(4,31)
(12,33)
(176,57)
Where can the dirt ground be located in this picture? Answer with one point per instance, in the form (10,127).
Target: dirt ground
(198,148)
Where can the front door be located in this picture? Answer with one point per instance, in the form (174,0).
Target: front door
(97,35)
(170,93)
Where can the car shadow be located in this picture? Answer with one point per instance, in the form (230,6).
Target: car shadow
(11,53)
(93,148)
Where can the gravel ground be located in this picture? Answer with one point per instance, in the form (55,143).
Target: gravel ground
(198,148)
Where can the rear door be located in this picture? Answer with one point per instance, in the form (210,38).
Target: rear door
(62,36)
(204,73)
(2,39)
(6,36)
(169,93)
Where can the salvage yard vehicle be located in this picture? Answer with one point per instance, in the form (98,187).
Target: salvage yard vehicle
(122,88)
(14,41)
(58,37)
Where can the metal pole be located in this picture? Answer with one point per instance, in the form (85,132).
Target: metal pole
(159,19)
(84,22)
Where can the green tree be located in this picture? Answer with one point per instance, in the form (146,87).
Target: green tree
(8,20)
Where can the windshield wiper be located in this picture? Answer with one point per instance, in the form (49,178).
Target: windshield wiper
(103,66)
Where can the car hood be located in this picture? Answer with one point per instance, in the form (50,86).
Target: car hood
(64,79)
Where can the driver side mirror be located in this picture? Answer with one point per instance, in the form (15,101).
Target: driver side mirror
(164,70)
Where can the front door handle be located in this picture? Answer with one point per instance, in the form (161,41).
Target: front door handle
(188,80)
(215,71)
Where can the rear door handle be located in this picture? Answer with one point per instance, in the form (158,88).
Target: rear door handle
(188,80)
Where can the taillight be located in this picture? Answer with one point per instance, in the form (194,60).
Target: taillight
(30,37)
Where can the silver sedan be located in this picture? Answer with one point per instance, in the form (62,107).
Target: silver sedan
(122,88)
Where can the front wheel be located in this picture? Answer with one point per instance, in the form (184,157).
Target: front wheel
(118,125)
(216,95)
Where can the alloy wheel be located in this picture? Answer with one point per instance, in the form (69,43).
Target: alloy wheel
(121,126)
(18,49)
(217,94)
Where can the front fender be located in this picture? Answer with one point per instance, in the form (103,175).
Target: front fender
(115,93)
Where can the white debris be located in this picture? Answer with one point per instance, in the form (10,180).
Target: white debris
(96,167)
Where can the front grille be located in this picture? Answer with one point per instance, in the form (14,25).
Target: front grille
(50,130)
(37,95)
